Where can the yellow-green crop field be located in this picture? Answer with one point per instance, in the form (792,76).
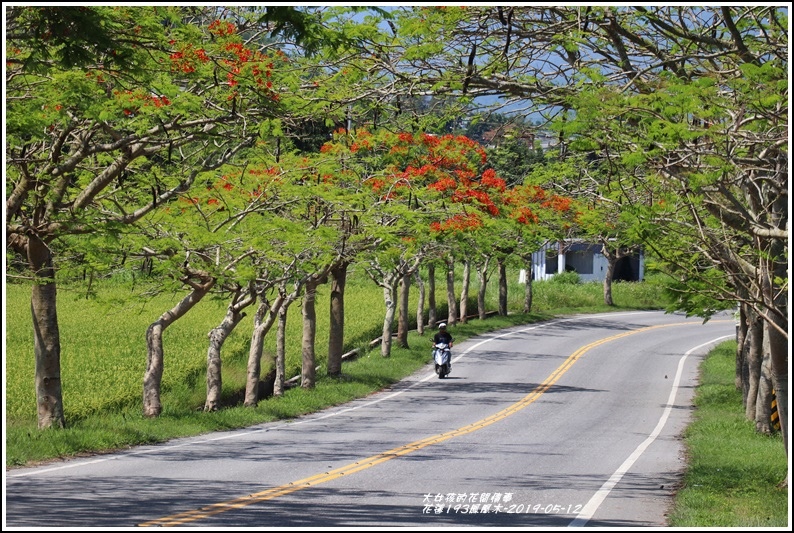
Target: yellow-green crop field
(103,345)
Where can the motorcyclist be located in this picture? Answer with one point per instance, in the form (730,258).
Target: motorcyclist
(444,336)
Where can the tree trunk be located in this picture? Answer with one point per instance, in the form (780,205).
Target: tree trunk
(741,335)
(263,321)
(755,357)
(152,377)
(336,334)
(778,350)
(420,305)
(464,291)
(280,379)
(763,404)
(482,276)
(744,370)
(254,367)
(502,287)
(432,316)
(281,336)
(777,327)
(528,284)
(46,336)
(402,316)
(452,308)
(611,262)
(308,359)
(217,337)
(390,300)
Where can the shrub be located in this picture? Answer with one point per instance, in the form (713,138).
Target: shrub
(567,278)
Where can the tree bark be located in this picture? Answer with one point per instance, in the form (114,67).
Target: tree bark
(308,359)
(744,370)
(402,316)
(452,308)
(464,291)
(776,300)
(217,336)
(152,377)
(432,312)
(482,276)
(741,336)
(279,382)
(254,367)
(390,300)
(763,404)
(611,262)
(263,320)
(528,284)
(281,336)
(336,334)
(778,349)
(420,304)
(46,336)
(502,286)
(755,357)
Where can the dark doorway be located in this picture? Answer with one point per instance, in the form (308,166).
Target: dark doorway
(627,269)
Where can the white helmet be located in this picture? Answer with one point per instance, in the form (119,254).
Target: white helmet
(442,325)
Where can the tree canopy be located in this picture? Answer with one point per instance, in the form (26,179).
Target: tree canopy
(252,143)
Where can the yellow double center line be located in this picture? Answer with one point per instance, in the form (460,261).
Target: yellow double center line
(318,479)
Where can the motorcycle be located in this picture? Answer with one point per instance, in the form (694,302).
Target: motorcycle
(442,355)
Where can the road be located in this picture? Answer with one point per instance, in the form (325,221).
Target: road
(574,422)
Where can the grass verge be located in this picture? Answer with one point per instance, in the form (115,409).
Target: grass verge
(733,472)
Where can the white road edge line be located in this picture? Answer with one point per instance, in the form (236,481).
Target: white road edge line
(598,498)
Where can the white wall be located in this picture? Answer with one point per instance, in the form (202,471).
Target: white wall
(539,265)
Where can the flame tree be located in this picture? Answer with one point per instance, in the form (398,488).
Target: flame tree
(111,113)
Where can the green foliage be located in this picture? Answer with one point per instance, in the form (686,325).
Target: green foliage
(699,297)
(566,278)
(146,105)
(514,159)
(73,37)
(301,26)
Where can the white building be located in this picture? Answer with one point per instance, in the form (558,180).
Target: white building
(585,259)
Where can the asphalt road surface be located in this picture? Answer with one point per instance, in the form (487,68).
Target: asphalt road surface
(574,422)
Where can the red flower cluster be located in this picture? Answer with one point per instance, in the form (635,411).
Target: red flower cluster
(421,172)
(186,59)
(363,145)
(479,197)
(377,184)
(222,29)
(464,222)
(489,179)
(443,185)
(558,203)
(243,54)
(134,100)
(159,101)
(524,215)
(270,171)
